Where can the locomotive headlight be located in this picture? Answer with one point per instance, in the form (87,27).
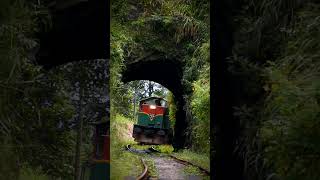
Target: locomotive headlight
(152,107)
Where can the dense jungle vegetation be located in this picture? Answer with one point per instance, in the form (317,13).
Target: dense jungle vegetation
(40,110)
(24,115)
(176,28)
(276,62)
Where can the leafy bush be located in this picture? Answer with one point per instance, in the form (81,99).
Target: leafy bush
(279,127)
(123,163)
(197,76)
(172,109)
(200,104)
(291,127)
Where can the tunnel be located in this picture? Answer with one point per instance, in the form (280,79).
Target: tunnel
(167,72)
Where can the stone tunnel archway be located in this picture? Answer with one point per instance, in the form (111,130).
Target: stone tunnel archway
(167,72)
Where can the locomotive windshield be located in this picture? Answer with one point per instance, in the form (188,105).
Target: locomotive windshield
(154,101)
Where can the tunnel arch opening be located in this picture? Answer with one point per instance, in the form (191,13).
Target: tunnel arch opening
(152,108)
(167,72)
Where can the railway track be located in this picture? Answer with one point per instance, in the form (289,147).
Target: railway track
(144,174)
(204,171)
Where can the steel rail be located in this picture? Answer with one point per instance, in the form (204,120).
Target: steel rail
(144,175)
(204,171)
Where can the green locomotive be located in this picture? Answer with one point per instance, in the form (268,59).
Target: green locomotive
(153,126)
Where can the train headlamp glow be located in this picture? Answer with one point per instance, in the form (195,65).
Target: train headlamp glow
(152,107)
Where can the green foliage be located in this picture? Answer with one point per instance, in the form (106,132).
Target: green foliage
(291,127)
(123,162)
(152,170)
(202,160)
(180,30)
(162,148)
(200,104)
(172,109)
(276,58)
(119,41)
(162,26)
(34,106)
(191,170)
(31,124)
(119,10)
(85,82)
(197,63)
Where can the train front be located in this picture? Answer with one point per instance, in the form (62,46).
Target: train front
(153,126)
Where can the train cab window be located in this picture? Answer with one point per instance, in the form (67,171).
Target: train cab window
(157,102)
(163,103)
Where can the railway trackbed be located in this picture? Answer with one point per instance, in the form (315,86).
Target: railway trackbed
(145,175)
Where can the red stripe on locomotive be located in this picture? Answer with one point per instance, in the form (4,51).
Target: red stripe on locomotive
(158,110)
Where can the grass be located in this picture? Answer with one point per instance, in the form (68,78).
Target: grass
(191,170)
(164,148)
(126,164)
(151,167)
(194,171)
(131,159)
(201,160)
(122,163)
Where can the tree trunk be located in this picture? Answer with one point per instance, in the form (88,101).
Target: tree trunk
(77,166)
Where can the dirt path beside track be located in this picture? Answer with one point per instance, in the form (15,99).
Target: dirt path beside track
(169,169)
